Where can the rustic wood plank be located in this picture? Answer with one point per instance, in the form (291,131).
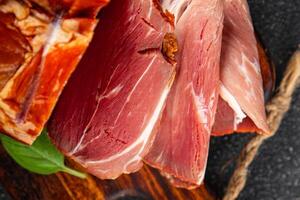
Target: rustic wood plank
(145,184)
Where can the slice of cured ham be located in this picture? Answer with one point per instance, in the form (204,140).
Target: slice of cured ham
(39,50)
(180,148)
(241,108)
(106,114)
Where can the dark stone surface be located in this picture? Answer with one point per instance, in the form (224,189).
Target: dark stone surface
(3,194)
(275,173)
(277,22)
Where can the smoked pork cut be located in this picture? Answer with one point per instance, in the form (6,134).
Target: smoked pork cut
(41,44)
(241,106)
(107,112)
(180,149)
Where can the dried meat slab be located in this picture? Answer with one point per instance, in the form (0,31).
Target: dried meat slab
(106,114)
(180,149)
(241,107)
(40,47)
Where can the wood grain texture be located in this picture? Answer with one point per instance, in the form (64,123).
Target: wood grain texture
(143,185)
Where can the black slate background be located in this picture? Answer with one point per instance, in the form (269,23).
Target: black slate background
(275,173)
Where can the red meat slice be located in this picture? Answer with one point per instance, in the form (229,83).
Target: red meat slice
(225,121)
(106,114)
(180,148)
(242,86)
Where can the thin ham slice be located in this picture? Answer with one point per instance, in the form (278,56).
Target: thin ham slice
(106,114)
(241,108)
(180,148)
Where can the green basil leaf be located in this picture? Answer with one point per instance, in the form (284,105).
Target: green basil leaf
(41,157)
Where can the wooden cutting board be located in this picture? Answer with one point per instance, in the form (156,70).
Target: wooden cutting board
(143,185)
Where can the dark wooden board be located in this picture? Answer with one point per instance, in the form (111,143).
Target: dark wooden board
(143,185)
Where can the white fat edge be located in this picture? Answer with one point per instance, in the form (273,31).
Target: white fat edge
(254,64)
(150,10)
(102,171)
(239,115)
(203,111)
(159,157)
(114,92)
(202,173)
(144,137)
(244,72)
(149,32)
(53,36)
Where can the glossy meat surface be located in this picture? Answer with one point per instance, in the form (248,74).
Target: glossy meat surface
(105,117)
(240,74)
(180,148)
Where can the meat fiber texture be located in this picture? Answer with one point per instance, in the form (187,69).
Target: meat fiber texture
(241,107)
(122,105)
(180,149)
(40,49)
(106,114)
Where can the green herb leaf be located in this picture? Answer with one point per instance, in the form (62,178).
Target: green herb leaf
(41,157)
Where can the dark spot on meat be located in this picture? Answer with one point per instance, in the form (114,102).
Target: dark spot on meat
(170,47)
(148,23)
(149,50)
(203,29)
(88,129)
(108,133)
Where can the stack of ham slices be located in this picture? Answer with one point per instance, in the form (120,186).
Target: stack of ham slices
(157,80)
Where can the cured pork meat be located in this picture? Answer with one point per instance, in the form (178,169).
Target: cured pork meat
(106,114)
(180,149)
(40,47)
(241,107)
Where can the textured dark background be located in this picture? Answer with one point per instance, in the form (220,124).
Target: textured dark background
(275,173)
